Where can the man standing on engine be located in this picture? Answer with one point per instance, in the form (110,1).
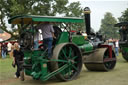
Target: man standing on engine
(48,35)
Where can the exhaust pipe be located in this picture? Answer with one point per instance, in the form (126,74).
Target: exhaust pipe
(87,20)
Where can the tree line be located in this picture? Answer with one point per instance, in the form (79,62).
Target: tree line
(9,8)
(107,24)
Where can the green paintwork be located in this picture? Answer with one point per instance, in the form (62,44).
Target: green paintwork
(83,44)
(125,52)
(28,72)
(39,65)
(86,48)
(57,19)
(46,77)
(27,57)
(64,37)
(36,19)
(27,61)
(32,58)
(124,49)
(78,40)
(40,69)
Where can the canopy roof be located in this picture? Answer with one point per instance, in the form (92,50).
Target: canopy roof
(26,19)
(121,24)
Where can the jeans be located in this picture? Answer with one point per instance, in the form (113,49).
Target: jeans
(48,44)
(36,45)
(116,51)
(3,54)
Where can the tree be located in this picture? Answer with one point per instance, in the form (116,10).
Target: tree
(107,26)
(9,8)
(75,10)
(124,17)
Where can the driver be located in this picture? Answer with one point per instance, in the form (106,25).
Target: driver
(123,32)
(48,35)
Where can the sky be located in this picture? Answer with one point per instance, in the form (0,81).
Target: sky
(100,7)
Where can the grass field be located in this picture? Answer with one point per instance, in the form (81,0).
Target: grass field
(118,76)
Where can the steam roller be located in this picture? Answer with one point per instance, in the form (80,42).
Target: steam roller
(69,51)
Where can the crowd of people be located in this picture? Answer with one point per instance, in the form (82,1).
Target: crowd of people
(6,48)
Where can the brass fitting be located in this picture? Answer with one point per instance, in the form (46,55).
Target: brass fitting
(87,10)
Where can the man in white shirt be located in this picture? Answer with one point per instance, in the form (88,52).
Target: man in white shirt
(117,48)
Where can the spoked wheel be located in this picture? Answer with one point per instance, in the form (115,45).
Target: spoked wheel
(70,55)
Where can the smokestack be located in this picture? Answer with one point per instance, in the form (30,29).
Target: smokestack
(87,20)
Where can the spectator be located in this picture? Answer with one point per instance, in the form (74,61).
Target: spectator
(4,50)
(9,46)
(17,58)
(0,50)
(111,42)
(117,48)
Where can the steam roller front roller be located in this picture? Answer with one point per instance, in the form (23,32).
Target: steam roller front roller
(67,54)
(100,60)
